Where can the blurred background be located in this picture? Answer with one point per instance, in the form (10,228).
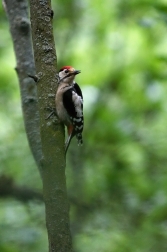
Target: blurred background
(117,181)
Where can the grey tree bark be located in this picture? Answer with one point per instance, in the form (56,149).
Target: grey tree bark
(46,137)
(17,13)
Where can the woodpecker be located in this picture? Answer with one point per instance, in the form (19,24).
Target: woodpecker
(69,104)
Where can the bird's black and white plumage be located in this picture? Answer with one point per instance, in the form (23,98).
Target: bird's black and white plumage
(69,104)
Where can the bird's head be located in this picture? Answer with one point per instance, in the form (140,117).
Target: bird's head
(67,74)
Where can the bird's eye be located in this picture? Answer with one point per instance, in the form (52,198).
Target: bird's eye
(66,71)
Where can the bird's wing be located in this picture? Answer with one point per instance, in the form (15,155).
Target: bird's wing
(68,103)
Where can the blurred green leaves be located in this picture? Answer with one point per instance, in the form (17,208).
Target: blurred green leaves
(117,180)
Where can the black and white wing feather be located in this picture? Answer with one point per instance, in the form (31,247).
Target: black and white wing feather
(73,103)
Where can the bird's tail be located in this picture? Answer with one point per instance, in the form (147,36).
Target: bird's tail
(68,141)
(79,138)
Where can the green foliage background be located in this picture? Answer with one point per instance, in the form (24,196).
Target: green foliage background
(117,182)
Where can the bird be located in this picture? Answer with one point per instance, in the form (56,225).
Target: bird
(69,104)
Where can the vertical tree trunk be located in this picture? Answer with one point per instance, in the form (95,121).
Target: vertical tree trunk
(48,144)
(17,13)
(52,132)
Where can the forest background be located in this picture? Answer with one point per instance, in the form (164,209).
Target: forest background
(117,181)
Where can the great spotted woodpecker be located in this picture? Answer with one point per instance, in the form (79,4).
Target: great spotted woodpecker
(69,104)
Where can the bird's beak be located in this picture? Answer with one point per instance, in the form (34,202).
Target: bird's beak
(76,72)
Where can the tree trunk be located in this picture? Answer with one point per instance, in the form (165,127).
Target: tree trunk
(52,132)
(46,137)
(17,12)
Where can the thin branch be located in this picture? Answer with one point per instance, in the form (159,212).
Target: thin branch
(17,13)
(8,188)
(34,77)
